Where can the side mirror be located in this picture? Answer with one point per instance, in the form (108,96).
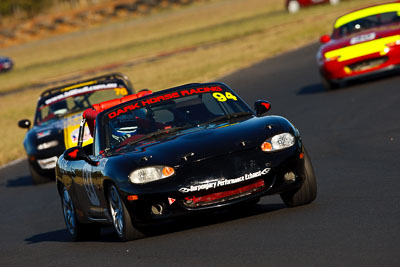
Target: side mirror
(261,107)
(324,39)
(77,153)
(26,124)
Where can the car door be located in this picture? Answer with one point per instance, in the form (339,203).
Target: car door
(83,181)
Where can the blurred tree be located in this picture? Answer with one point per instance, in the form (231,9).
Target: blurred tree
(6,7)
(33,7)
(27,7)
(30,8)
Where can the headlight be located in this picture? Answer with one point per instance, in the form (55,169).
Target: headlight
(150,174)
(47,145)
(331,58)
(278,142)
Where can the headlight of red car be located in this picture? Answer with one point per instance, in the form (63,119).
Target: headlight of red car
(328,59)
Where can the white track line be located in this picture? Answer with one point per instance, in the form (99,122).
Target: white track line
(14,162)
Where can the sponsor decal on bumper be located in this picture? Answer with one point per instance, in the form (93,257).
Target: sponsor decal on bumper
(223,182)
(206,200)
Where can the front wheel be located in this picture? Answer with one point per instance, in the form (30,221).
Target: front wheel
(121,218)
(36,177)
(308,190)
(77,230)
(328,84)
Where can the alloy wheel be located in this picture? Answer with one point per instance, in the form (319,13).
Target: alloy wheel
(116,210)
(69,212)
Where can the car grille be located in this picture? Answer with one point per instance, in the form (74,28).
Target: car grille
(225,166)
(367,64)
(195,201)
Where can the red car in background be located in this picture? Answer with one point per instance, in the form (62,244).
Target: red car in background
(294,6)
(363,42)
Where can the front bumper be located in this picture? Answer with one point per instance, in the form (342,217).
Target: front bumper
(44,167)
(44,163)
(216,183)
(360,67)
(6,66)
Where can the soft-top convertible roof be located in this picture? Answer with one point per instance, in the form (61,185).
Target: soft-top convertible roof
(91,113)
(92,81)
(367,11)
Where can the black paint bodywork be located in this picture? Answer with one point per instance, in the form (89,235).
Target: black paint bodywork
(54,131)
(223,150)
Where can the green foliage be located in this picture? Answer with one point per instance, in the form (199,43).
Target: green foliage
(27,7)
(6,7)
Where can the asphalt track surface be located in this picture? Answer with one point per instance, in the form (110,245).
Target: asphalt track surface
(353,138)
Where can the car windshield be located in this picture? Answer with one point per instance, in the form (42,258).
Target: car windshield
(366,23)
(72,101)
(163,114)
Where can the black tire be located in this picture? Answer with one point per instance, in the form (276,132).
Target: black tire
(308,190)
(121,218)
(328,84)
(37,178)
(78,231)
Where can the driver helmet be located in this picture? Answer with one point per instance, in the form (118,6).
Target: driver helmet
(59,107)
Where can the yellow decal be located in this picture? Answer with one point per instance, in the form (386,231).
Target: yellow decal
(226,125)
(120,91)
(362,49)
(71,131)
(369,11)
(222,98)
(78,85)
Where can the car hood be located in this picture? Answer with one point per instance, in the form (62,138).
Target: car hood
(376,33)
(204,142)
(54,128)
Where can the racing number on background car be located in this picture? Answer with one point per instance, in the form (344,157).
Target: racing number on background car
(120,91)
(88,184)
(222,98)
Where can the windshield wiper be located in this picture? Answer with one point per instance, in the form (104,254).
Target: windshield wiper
(228,117)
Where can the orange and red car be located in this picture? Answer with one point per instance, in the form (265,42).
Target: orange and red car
(363,42)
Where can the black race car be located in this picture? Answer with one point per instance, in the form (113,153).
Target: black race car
(179,151)
(58,114)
